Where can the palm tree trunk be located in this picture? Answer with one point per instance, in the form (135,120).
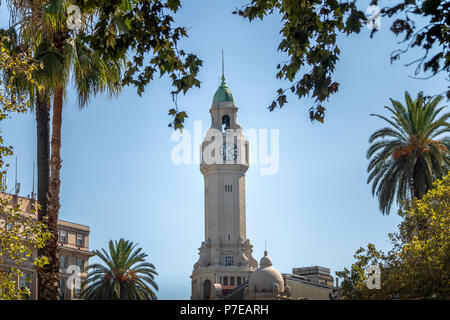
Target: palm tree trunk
(420,185)
(50,272)
(43,150)
(43,167)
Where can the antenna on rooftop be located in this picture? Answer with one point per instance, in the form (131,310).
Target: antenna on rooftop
(17,184)
(32,192)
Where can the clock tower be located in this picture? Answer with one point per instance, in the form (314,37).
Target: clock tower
(225,256)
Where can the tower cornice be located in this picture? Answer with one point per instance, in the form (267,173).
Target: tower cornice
(223,168)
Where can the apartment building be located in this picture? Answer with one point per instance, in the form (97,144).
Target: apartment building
(73,252)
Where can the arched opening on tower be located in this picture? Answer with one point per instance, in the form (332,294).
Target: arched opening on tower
(225,123)
(206,290)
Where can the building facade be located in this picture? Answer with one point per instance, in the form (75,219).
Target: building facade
(225,257)
(73,252)
(267,283)
(315,274)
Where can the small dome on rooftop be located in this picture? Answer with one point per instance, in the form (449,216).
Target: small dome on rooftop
(266,278)
(265,261)
(223,93)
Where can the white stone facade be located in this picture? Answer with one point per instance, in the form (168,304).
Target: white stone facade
(225,257)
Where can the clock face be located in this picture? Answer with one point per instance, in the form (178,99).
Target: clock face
(229,151)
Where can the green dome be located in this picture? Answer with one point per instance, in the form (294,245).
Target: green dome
(223,94)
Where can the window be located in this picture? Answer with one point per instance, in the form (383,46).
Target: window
(225,123)
(62,262)
(78,292)
(5,270)
(225,281)
(231,281)
(206,290)
(80,264)
(25,282)
(80,239)
(228,188)
(228,260)
(63,236)
(62,288)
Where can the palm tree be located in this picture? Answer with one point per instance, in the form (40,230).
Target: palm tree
(125,275)
(407,156)
(42,28)
(91,75)
(31,37)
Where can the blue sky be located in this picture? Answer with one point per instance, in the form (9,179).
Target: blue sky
(118,177)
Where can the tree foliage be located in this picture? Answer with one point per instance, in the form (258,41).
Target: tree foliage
(140,32)
(116,43)
(112,31)
(62,53)
(418,265)
(13,66)
(432,36)
(408,155)
(144,30)
(309,33)
(20,235)
(125,274)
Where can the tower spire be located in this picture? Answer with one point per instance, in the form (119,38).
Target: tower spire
(223,69)
(223,94)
